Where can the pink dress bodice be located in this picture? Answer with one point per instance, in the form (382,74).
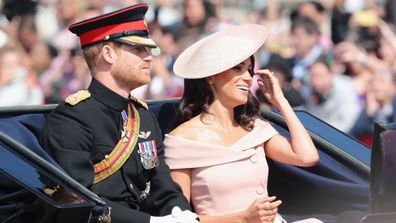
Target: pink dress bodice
(224,179)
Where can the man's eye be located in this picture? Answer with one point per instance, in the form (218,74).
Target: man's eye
(142,49)
(139,49)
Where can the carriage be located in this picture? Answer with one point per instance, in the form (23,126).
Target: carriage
(349,178)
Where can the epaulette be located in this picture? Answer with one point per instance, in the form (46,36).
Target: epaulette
(140,102)
(77,97)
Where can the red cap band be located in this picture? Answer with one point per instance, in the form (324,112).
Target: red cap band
(100,33)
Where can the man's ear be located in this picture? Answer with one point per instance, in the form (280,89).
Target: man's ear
(108,53)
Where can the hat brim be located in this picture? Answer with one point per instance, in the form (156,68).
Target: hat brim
(136,41)
(220,51)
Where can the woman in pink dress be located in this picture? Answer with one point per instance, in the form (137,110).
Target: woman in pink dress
(217,151)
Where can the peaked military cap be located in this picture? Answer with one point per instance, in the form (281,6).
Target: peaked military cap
(126,25)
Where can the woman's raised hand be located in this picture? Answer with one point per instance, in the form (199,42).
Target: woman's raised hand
(270,87)
(262,210)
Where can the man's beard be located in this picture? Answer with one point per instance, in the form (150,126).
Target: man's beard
(131,79)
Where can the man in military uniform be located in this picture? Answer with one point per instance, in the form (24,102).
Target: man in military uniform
(106,139)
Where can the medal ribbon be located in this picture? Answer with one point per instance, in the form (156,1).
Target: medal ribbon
(124,148)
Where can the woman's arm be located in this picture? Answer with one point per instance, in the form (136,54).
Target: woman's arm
(183,178)
(262,210)
(300,151)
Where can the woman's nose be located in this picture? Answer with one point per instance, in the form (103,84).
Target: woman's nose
(248,77)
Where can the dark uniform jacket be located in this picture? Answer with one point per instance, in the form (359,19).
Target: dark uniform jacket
(82,135)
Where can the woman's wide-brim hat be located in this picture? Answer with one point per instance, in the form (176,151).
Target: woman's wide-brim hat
(220,51)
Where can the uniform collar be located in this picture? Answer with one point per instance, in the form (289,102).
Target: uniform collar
(107,96)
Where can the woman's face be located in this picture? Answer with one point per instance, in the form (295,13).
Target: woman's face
(231,87)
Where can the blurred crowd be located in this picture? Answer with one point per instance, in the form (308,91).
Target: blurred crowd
(333,58)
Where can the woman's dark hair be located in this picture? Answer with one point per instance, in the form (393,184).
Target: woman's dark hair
(198,96)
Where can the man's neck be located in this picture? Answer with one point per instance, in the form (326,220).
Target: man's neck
(107,80)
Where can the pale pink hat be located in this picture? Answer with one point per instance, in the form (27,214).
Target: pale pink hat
(220,51)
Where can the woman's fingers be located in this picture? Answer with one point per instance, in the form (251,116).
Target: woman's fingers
(262,200)
(263,209)
(270,87)
(271,205)
(265,73)
(262,85)
(267,79)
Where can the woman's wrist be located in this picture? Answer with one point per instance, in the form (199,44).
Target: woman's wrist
(242,217)
(281,102)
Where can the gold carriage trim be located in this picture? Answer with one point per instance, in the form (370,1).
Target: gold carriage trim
(121,152)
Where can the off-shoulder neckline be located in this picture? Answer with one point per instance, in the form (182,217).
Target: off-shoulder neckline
(235,144)
(208,144)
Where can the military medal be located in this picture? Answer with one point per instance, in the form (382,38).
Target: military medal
(124,124)
(148,154)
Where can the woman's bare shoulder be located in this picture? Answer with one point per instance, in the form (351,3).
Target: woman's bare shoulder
(188,130)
